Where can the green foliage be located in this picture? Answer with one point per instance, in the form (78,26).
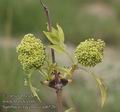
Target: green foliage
(102,88)
(56,37)
(88,53)
(33,89)
(31,54)
(81,91)
(100,84)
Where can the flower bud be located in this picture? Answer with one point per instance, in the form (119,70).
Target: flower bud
(90,52)
(31,53)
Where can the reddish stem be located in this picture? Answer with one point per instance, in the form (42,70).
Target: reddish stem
(59,100)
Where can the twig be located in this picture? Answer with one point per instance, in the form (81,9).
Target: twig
(57,78)
(49,26)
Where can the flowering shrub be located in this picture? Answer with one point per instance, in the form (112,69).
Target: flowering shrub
(32,56)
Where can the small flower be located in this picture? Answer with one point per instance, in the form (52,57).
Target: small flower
(90,52)
(31,53)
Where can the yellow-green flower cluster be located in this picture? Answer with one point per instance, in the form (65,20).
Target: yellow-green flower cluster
(90,52)
(31,53)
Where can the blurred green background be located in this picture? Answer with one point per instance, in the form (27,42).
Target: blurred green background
(80,19)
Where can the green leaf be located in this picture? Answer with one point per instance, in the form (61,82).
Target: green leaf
(61,49)
(44,74)
(70,110)
(61,33)
(56,36)
(102,88)
(33,90)
(68,72)
(52,37)
(55,32)
(58,48)
(65,71)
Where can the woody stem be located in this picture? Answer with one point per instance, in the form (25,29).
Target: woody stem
(59,100)
(49,27)
(58,91)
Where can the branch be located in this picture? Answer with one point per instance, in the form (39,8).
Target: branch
(49,26)
(58,90)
